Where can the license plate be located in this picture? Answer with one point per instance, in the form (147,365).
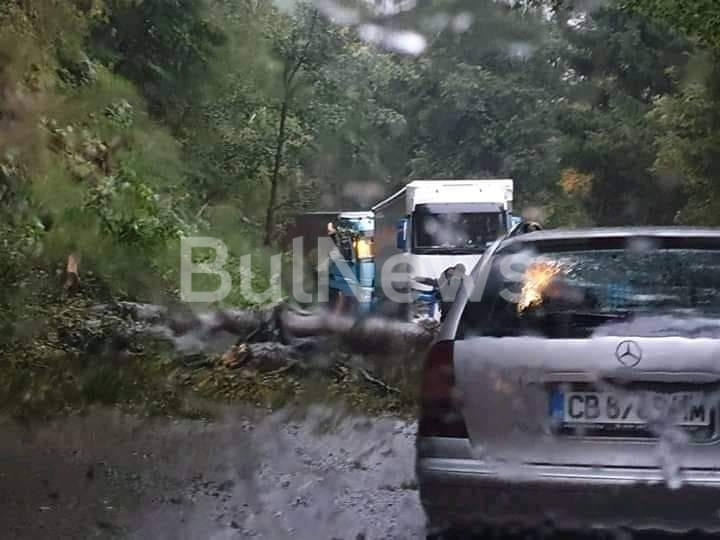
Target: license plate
(689,408)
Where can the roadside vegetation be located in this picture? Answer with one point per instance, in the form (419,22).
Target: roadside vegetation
(127,125)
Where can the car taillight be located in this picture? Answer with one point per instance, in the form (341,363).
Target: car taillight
(439,414)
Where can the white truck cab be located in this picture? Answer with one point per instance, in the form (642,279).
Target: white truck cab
(430,226)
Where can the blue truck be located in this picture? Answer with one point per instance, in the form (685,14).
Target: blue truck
(351,272)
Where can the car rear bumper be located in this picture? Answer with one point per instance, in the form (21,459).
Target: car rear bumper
(464,493)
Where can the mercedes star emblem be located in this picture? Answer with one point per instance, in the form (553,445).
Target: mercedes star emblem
(628,353)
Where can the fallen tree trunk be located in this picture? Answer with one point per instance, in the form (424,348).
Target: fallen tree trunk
(280,339)
(365,335)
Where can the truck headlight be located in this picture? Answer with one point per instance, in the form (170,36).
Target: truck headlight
(364,248)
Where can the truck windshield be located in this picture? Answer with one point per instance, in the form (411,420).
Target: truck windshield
(454,232)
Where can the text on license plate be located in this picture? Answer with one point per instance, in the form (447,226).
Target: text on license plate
(689,408)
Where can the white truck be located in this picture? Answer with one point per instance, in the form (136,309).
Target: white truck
(426,229)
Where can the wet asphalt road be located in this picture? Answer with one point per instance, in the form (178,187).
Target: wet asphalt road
(108,476)
(319,476)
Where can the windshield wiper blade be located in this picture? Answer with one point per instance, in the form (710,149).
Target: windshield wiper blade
(619,315)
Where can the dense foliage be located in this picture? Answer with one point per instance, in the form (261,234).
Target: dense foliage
(126,125)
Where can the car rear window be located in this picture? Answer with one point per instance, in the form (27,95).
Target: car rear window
(572,293)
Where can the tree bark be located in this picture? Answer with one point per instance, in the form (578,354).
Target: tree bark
(289,91)
(270,215)
(72,275)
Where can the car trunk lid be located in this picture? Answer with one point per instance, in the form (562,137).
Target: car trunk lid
(575,402)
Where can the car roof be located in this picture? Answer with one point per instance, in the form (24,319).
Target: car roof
(589,233)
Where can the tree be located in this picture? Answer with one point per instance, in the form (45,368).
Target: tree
(298,45)
(164,46)
(480,102)
(689,149)
(688,123)
(618,63)
(699,18)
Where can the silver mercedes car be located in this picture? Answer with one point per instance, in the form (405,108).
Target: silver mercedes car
(575,383)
